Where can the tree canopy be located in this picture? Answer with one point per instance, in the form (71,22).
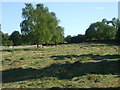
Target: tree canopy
(41,26)
(5,39)
(75,39)
(100,31)
(16,38)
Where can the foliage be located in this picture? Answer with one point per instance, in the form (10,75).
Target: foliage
(75,39)
(40,25)
(5,39)
(100,31)
(103,31)
(15,37)
(68,39)
(118,34)
(114,22)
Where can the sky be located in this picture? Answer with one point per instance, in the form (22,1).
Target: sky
(75,17)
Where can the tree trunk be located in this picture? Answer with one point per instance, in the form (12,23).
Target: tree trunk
(37,45)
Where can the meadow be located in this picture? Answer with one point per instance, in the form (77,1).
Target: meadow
(83,65)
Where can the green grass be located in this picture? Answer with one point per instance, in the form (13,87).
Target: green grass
(84,65)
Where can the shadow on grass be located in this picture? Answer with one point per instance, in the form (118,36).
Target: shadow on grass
(62,71)
(11,50)
(26,49)
(107,42)
(94,57)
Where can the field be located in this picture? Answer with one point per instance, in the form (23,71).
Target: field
(83,65)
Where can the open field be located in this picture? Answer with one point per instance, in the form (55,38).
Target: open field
(84,65)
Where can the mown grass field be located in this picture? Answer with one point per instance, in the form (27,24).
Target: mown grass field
(84,65)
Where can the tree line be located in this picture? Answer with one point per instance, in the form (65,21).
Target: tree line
(40,26)
(105,30)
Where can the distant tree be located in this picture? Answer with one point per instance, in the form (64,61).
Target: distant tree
(116,23)
(5,38)
(9,43)
(75,39)
(118,35)
(81,38)
(100,31)
(15,37)
(90,33)
(109,33)
(78,39)
(68,39)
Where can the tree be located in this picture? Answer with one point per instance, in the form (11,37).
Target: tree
(118,35)
(15,37)
(40,25)
(5,38)
(75,39)
(105,21)
(100,31)
(58,35)
(90,33)
(109,33)
(9,43)
(115,22)
(68,38)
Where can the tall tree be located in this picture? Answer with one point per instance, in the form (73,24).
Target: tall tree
(39,25)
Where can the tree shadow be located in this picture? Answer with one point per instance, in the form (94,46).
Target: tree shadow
(94,57)
(62,71)
(107,42)
(98,45)
(8,50)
